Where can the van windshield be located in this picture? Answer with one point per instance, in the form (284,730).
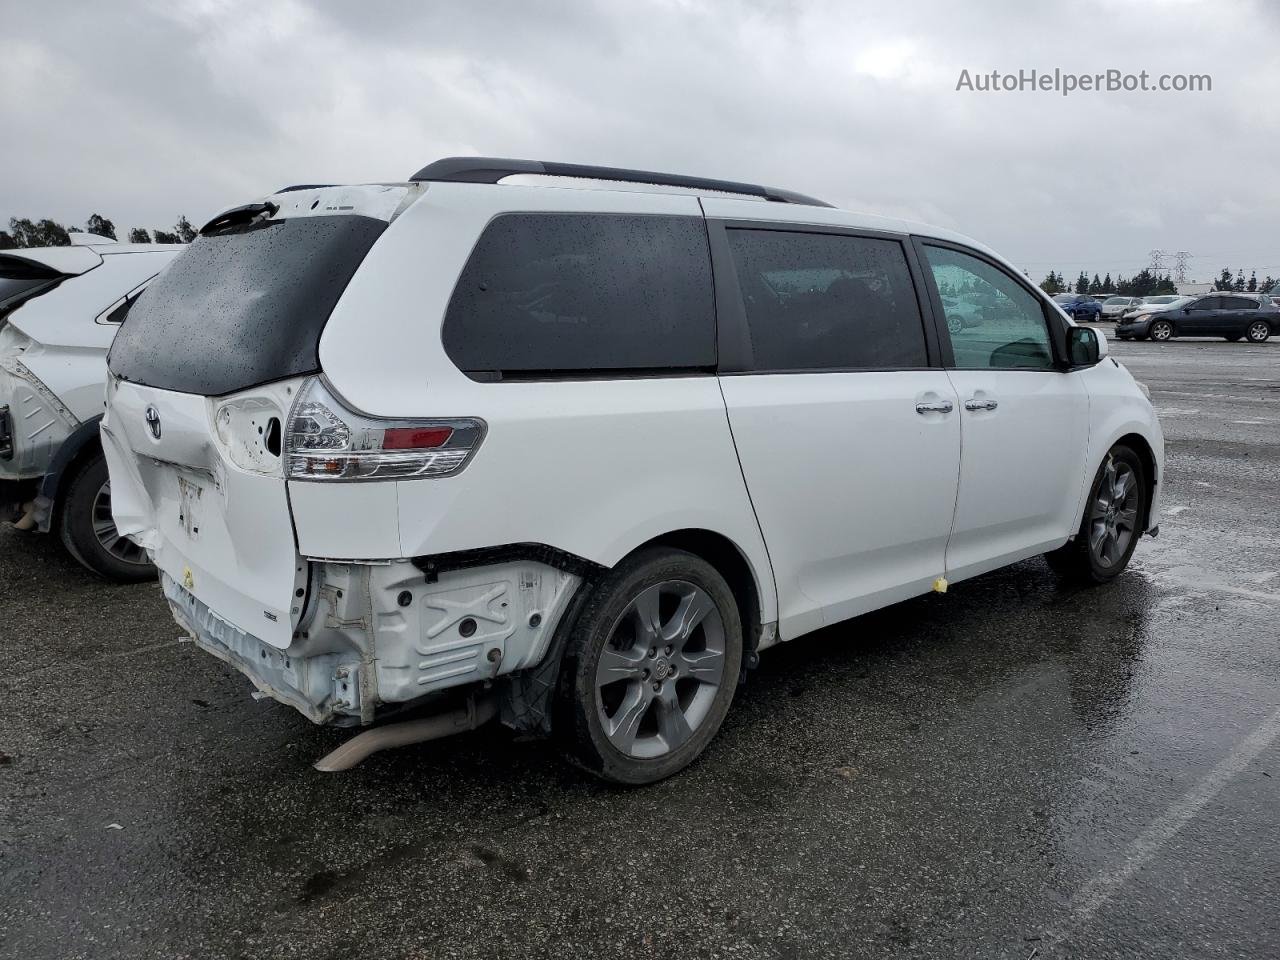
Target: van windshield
(244,306)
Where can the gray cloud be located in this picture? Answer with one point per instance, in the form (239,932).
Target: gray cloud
(143,111)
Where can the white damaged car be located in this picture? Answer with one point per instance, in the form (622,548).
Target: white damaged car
(60,307)
(573,445)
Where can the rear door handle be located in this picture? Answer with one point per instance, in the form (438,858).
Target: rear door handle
(935,406)
(976,404)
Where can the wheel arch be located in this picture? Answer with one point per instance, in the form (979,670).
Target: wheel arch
(1142,447)
(81,445)
(732,563)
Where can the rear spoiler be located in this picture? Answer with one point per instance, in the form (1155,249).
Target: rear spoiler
(236,216)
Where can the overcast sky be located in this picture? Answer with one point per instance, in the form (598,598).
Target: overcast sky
(142,111)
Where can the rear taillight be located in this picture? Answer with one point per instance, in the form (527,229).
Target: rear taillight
(326,441)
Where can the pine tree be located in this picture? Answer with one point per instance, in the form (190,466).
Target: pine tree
(139,235)
(185,231)
(1107,285)
(1238,284)
(1082,283)
(1224,281)
(1052,284)
(1252,285)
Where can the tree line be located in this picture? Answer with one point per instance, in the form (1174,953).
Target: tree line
(24,232)
(1239,284)
(1147,283)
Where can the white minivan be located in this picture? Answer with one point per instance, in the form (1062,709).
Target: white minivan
(60,307)
(572,445)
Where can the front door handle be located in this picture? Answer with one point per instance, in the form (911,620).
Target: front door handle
(976,404)
(936,406)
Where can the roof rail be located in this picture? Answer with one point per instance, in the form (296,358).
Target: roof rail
(493,169)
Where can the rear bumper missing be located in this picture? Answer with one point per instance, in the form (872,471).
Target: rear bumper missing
(376,636)
(272,670)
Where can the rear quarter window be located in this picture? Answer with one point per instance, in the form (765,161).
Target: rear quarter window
(583,294)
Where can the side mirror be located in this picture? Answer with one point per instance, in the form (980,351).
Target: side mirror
(1084,347)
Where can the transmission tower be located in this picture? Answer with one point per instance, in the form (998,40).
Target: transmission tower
(1180,270)
(1157,262)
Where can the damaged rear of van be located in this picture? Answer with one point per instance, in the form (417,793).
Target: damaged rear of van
(269,502)
(356,522)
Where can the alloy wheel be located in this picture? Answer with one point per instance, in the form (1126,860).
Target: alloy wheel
(104,528)
(1259,331)
(1161,330)
(660,669)
(1113,516)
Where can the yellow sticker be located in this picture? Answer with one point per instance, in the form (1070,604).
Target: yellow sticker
(188,581)
(940,585)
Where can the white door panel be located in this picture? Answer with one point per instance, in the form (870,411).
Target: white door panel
(854,488)
(1023,440)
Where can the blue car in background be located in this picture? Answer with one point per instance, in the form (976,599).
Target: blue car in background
(1079,307)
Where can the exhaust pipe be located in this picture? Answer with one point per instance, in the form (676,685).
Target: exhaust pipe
(28,519)
(474,713)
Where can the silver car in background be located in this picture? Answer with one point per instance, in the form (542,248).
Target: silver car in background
(1114,307)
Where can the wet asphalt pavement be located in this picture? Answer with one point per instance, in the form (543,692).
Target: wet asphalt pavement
(1014,769)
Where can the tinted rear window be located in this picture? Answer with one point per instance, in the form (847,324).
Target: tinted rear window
(827,302)
(20,279)
(242,307)
(577,294)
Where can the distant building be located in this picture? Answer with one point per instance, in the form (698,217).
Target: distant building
(1193,289)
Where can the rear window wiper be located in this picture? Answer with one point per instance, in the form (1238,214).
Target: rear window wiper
(237,216)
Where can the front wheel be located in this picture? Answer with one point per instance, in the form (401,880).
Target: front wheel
(1259,331)
(1161,331)
(650,668)
(89,532)
(1112,521)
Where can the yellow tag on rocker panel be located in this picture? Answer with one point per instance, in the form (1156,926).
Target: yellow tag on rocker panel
(940,585)
(188,581)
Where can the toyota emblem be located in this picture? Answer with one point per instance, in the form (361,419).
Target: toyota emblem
(153,421)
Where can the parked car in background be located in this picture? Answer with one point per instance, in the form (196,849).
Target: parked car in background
(961,313)
(1232,316)
(1113,307)
(1079,307)
(1155,304)
(60,307)
(548,471)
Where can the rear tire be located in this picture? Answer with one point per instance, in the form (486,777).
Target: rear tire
(650,668)
(1112,522)
(89,533)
